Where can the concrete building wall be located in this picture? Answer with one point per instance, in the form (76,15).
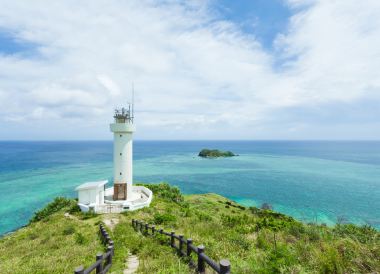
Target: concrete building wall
(88,196)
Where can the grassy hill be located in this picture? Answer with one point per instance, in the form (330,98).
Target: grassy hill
(254,240)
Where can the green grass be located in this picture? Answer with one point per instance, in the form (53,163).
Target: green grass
(254,240)
(56,244)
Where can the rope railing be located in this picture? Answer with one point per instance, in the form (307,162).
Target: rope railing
(223,267)
(103,262)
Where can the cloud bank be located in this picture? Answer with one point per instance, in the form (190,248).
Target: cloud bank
(196,75)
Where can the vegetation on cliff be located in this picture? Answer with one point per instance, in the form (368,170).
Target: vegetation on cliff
(254,240)
(214,153)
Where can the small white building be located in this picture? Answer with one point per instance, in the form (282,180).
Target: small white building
(123,196)
(91,195)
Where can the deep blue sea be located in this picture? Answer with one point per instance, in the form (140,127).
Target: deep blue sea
(319,181)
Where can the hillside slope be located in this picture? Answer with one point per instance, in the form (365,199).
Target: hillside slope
(254,240)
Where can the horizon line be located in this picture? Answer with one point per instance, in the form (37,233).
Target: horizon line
(195,140)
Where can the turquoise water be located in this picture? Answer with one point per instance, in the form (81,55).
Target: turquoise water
(312,181)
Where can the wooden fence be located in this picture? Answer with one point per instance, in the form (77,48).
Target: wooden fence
(185,248)
(103,262)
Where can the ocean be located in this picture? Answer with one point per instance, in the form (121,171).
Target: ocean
(313,181)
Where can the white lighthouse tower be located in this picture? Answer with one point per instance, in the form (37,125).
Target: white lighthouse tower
(122,129)
(123,196)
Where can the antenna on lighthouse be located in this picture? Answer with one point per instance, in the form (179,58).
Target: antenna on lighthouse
(133,101)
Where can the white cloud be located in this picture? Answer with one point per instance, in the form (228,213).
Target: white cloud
(110,85)
(193,74)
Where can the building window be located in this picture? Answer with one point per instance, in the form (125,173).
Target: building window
(121,153)
(121,135)
(120,173)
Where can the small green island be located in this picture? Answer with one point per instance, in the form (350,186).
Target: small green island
(215,153)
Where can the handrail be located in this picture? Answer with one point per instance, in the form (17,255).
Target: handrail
(103,261)
(224,266)
(210,262)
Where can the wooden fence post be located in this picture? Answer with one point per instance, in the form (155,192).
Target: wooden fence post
(109,260)
(225,266)
(79,270)
(113,247)
(99,268)
(180,244)
(188,249)
(201,262)
(172,239)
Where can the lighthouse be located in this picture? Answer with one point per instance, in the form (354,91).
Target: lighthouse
(123,196)
(122,129)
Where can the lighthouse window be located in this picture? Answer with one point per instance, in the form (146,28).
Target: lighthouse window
(121,153)
(120,173)
(121,135)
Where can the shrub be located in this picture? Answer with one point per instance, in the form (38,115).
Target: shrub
(313,232)
(363,234)
(33,236)
(74,209)
(202,216)
(167,192)
(241,242)
(80,239)
(231,220)
(254,210)
(262,241)
(273,223)
(68,230)
(88,215)
(187,212)
(331,262)
(51,208)
(279,259)
(296,230)
(164,218)
(185,209)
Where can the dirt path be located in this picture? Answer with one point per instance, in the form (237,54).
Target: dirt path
(133,264)
(111,222)
(132,260)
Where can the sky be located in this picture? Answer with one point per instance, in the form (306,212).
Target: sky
(206,69)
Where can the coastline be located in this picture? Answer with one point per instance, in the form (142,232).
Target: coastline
(240,201)
(336,178)
(62,238)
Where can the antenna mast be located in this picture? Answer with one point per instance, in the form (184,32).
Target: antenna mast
(133,101)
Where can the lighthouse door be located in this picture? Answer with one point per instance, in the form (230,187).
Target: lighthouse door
(120,191)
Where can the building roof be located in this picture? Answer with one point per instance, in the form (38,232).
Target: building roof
(92,185)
